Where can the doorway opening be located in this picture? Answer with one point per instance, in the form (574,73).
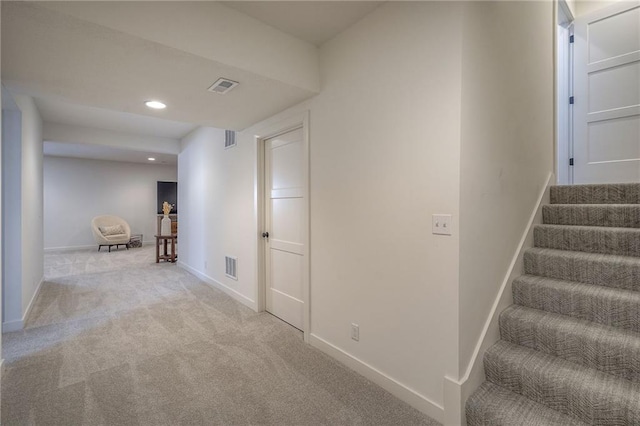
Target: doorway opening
(564,93)
(598,75)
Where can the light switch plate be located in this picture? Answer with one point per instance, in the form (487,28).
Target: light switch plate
(441,224)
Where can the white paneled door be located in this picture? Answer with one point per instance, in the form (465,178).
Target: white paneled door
(284,220)
(607,95)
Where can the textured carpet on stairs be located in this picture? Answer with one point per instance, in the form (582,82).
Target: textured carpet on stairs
(569,352)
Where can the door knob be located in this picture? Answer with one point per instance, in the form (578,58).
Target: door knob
(265,235)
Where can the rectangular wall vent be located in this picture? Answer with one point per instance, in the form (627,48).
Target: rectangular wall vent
(229,139)
(231,267)
(222,86)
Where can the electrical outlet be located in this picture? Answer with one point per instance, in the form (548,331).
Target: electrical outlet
(441,224)
(355,332)
(205,264)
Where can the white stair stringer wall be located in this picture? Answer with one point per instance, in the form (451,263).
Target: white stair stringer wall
(456,392)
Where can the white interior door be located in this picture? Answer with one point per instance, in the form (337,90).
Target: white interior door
(284,220)
(607,95)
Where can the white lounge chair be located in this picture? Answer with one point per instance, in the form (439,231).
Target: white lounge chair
(111,231)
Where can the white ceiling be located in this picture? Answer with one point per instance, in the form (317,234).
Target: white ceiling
(49,54)
(57,111)
(83,71)
(312,21)
(108,153)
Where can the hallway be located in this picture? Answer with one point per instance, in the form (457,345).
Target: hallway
(114,339)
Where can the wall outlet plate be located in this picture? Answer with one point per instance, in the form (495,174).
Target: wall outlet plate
(441,224)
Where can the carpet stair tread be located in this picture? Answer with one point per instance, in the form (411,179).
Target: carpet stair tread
(603,305)
(608,215)
(590,239)
(589,268)
(625,193)
(493,405)
(608,349)
(586,394)
(570,343)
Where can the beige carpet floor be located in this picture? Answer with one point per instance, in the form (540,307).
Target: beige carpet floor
(115,339)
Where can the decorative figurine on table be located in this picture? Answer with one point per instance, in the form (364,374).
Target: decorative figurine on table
(165,225)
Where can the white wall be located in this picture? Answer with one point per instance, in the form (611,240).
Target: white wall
(216,199)
(583,7)
(32,200)
(571,4)
(385,140)
(28,254)
(76,190)
(384,158)
(11,206)
(507,145)
(1,236)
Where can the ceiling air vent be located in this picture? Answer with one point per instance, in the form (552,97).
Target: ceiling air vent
(222,86)
(231,267)
(229,139)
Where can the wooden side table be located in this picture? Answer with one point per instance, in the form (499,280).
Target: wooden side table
(164,240)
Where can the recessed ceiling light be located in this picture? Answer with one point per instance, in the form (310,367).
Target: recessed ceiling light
(151,159)
(155,104)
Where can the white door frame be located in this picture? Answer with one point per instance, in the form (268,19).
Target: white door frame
(296,121)
(564,90)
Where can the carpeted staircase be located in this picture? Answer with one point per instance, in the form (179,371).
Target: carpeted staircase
(569,352)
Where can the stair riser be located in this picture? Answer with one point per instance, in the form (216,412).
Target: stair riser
(588,396)
(625,216)
(592,346)
(623,274)
(623,242)
(596,194)
(593,304)
(493,405)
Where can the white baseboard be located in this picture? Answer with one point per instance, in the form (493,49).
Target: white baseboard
(16,325)
(87,247)
(217,284)
(2,366)
(71,248)
(32,301)
(454,413)
(406,394)
(457,392)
